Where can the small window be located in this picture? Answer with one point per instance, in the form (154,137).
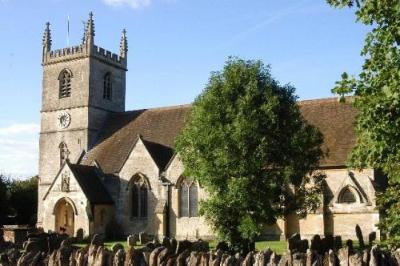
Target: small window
(347,196)
(107,87)
(139,190)
(188,198)
(64,153)
(65,83)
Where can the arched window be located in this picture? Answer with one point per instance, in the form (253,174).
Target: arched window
(65,83)
(107,86)
(188,198)
(138,190)
(347,196)
(64,153)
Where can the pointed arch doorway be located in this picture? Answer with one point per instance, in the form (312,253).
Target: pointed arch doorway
(65,217)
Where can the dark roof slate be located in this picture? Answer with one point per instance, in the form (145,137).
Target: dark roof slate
(90,183)
(158,128)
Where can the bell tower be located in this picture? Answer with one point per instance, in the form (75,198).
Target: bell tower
(82,85)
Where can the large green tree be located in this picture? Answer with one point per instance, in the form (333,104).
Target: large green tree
(248,145)
(377,98)
(4,196)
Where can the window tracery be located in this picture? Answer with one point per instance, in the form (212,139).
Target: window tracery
(188,198)
(65,83)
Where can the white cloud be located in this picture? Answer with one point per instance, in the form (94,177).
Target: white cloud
(135,4)
(19,149)
(19,129)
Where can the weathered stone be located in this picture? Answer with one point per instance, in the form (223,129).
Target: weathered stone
(356,259)
(135,257)
(374,257)
(154,256)
(299,259)
(365,257)
(273,260)
(4,260)
(163,255)
(182,257)
(343,256)
(119,258)
(359,235)
(331,258)
(194,259)
(286,259)
(200,246)
(262,258)
(249,259)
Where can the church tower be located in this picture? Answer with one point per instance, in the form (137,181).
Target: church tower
(81,86)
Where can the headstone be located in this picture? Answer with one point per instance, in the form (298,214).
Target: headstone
(79,234)
(249,259)
(293,241)
(173,244)
(349,244)
(299,259)
(337,242)
(97,240)
(371,238)
(183,245)
(343,256)
(131,240)
(316,244)
(286,259)
(116,247)
(359,236)
(374,257)
(181,259)
(194,259)
(356,259)
(331,258)
(143,238)
(163,255)
(154,256)
(273,260)
(223,246)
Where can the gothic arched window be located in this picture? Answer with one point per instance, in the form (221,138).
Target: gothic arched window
(65,83)
(107,86)
(188,198)
(138,194)
(64,153)
(347,196)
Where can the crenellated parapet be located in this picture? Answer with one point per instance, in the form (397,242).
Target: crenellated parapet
(86,49)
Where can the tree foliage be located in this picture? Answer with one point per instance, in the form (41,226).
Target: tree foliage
(18,200)
(248,145)
(377,98)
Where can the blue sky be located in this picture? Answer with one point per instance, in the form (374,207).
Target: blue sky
(173,47)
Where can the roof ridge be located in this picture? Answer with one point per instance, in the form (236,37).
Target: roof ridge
(161,108)
(322,100)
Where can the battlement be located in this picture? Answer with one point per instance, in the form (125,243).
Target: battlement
(86,49)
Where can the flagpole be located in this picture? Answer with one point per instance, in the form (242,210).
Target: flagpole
(68,31)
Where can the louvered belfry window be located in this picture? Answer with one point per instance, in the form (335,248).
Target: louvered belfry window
(107,87)
(65,83)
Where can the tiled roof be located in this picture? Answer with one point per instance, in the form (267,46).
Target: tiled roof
(158,128)
(90,183)
(336,122)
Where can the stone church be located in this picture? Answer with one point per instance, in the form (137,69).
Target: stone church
(101,166)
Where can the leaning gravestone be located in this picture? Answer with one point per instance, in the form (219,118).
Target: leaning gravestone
(359,236)
(143,238)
